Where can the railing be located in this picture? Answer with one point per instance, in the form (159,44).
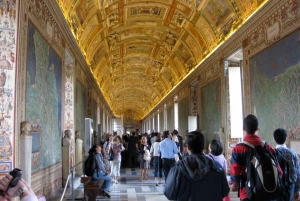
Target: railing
(72,182)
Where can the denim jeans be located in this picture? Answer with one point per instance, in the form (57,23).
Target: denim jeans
(157,166)
(99,175)
(291,195)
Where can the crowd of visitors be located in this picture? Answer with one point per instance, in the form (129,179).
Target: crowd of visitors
(184,165)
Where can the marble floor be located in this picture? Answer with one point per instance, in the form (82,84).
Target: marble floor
(129,189)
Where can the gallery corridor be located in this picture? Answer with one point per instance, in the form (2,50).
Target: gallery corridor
(128,189)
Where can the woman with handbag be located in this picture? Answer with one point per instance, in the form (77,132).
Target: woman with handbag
(117,148)
(145,164)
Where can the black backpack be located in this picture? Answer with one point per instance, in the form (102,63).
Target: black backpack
(284,165)
(89,166)
(263,177)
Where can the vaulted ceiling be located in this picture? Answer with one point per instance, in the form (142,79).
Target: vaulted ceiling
(139,50)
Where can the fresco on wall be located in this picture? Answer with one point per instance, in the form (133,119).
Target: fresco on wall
(94,112)
(80,108)
(101,121)
(183,113)
(43,97)
(94,115)
(275,88)
(161,122)
(155,123)
(8,37)
(69,92)
(211,113)
(170,119)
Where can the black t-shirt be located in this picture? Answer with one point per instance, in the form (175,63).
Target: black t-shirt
(132,141)
(125,138)
(180,139)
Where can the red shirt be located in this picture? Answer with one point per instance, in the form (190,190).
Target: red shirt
(239,163)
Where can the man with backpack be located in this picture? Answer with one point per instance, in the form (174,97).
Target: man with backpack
(95,168)
(289,163)
(241,160)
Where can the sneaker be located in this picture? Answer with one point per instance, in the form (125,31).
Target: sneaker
(105,193)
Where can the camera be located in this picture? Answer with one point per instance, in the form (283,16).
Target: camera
(16,173)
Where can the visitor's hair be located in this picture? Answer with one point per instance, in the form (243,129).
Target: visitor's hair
(158,138)
(108,136)
(133,133)
(175,131)
(116,140)
(250,124)
(216,147)
(195,142)
(280,135)
(144,139)
(93,149)
(166,133)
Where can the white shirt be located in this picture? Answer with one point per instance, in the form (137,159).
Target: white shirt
(154,149)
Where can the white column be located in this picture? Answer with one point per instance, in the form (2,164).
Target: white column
(65,162)
(78,157)
(25,161)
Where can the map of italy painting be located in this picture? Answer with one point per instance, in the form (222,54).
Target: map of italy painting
(211,112)
(43,98)
(275,88)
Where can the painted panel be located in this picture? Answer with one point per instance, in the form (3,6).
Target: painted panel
(94,113)
(218,11)
(35,141)
(8,51)
(211,119)
(161,122)
(155,123)
(183,113)
(101,119)
(170,119)
(275,91)
(43,96)
(80,107)
(69,92)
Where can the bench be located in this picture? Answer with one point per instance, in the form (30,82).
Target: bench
(85,179)
(91,187)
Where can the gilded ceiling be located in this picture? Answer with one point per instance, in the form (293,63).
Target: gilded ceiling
(138,50)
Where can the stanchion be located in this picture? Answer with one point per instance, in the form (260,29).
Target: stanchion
(72,183)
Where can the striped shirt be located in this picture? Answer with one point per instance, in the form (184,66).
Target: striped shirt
(180,139)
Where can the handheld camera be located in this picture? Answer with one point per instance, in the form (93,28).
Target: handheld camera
(17,175)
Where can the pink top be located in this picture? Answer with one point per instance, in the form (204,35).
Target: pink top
(117,149)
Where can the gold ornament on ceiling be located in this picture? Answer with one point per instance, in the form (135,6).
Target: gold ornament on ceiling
(153,44)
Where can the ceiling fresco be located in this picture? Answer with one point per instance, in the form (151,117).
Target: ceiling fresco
(140,50)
